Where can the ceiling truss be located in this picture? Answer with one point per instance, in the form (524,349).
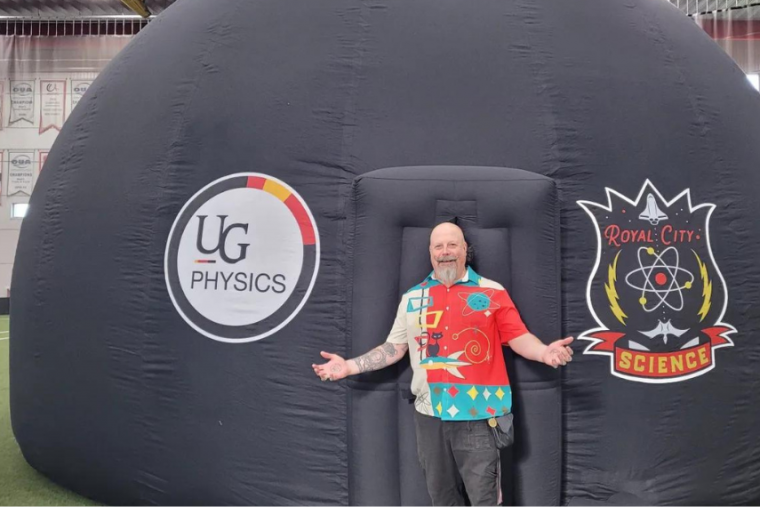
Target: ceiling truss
(81,9)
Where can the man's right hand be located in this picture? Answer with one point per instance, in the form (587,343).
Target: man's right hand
(379,357)
(335,368)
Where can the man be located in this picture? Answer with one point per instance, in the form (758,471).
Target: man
(455,323)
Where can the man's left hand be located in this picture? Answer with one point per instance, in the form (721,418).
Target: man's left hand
(558,353)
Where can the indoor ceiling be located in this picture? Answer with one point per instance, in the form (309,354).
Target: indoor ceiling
(74,8)
(80,8)
(692,7)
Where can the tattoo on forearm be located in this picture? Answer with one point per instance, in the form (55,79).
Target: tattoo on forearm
(371,361)
(376,358)
(389,349)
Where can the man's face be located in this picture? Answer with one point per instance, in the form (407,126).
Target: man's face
(448,253)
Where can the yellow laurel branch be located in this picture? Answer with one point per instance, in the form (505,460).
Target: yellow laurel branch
(706,291)
(611,291)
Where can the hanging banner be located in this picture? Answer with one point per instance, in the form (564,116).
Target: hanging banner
(20,172)
(22,103)
(52,104)
(43,159)
(2,103)
(78,88)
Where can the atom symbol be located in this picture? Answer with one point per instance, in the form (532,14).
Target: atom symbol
(646,283)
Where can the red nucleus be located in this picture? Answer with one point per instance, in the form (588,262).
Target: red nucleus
(660,278)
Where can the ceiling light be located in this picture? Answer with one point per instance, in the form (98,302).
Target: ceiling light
(138,6)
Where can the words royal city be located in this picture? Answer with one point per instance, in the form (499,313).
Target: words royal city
(617,236)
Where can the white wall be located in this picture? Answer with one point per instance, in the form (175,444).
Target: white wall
(12,140)
(69,58)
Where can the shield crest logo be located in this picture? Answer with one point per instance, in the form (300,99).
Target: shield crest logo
(655,291)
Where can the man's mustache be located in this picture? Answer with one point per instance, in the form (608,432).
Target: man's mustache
(445,258)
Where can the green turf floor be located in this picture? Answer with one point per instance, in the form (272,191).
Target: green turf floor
(20,484)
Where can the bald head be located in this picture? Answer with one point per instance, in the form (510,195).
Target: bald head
(448,253)
(446,229)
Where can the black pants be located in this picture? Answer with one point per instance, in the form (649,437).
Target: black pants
(458,456)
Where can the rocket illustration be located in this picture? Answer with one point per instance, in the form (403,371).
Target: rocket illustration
(451,363)
(652,212)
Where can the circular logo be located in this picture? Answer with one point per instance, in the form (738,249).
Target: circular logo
(22,88)
(242,258)
(21,161)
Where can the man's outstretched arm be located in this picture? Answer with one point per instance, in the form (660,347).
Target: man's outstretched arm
(381,356)
(557,353)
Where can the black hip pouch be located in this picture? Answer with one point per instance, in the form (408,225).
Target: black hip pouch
(503,430)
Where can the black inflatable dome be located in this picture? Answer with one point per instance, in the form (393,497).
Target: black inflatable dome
(251,182)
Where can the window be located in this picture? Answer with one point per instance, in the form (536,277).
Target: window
(19,209)
(754,79)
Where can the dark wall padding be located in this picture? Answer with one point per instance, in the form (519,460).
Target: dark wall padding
(511,218)
(115,396)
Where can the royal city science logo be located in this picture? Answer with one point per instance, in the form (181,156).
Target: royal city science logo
(242,258)
(655,291)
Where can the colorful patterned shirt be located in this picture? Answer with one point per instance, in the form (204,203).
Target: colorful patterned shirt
(455,336)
